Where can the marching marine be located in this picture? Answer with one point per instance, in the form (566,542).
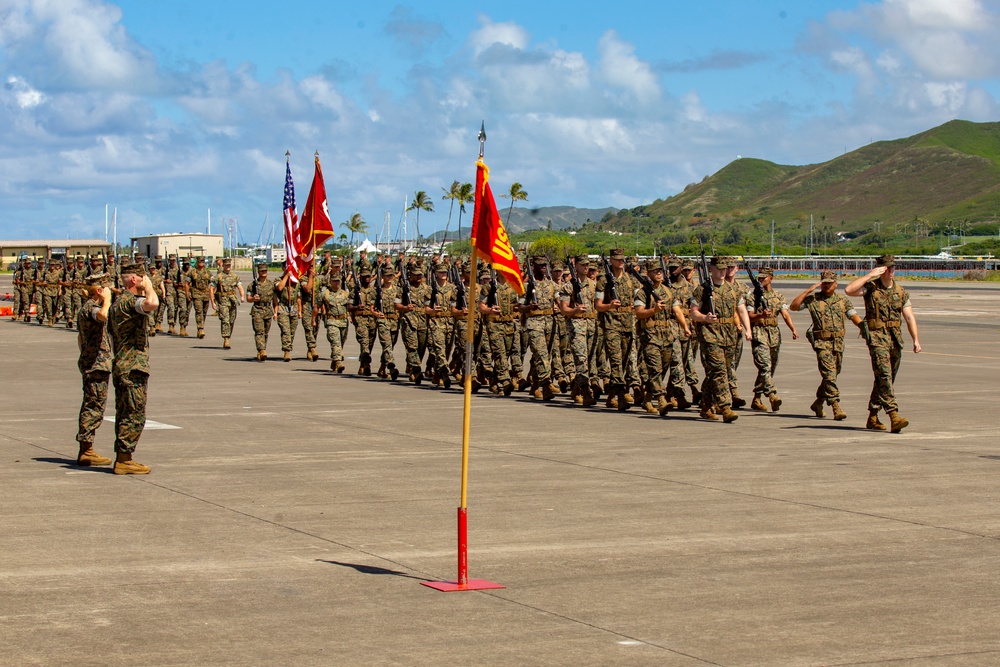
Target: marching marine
(767,340)
(263,311)
(225,294)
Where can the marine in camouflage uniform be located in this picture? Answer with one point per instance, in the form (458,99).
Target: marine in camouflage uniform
(563,368)
(616,319)
(683,373)
(184,302)
(307,292)
(22,291)
(225,294)
(744,289)
(717,336)
(766,342)
(829,312)
(581,320)
(94,341)
(72,290)
(460,326)
(130,369)
(886,304)
(52,277)
(262,310)
(657,311)
(332,305)
(498,337)
(286,294)
(538,313)
(413,321)
(171,278)
(365,320)
(387,324)
(158,277)
(199,280)
(440,313)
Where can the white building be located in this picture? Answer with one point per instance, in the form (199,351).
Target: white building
(276,255)
(10,251)
(180,244)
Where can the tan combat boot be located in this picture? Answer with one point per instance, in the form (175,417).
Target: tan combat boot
(612,400)
(775,401)
(873,423)
(287,356)
(184,331)
(225,344)
(682,402)
(588,397)
(757,404)
(124,465)
(663,404)
(737,401)
(706,413)
(728,415)
(649,407)
(896,422)
(261,356)
(170,330)
(817,407)
(838,414)
(201,333)
(88,457)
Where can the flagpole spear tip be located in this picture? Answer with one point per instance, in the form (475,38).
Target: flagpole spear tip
(482,138)
(288,154)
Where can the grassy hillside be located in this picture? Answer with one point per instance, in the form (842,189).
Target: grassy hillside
(918,187)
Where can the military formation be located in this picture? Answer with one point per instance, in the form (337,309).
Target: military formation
(621,329)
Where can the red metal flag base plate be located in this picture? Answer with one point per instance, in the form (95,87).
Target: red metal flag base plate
(472,585)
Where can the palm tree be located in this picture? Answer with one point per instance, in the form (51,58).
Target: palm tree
(466,195)
(452,194)
(421,202)
(517,193)
(355,225)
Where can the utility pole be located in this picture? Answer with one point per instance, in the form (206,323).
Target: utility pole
(772,237)
(810,234)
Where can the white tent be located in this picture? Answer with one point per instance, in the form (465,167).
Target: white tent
(367,246)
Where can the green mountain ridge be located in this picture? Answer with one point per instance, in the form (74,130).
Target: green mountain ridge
(948,174)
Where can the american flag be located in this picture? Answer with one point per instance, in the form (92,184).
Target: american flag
(291,224)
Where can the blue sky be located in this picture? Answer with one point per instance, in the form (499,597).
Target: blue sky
(165,109)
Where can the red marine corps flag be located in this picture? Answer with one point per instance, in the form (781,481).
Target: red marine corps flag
(303,235)
(488,233)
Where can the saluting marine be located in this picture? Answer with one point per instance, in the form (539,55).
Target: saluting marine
(886,303)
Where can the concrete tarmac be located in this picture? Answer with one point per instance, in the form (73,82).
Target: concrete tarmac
(291,514)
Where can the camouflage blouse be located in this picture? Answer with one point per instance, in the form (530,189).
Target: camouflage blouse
(336,303)
(265,290)
(226,284)
(883,312)
(727,298)
(93,339)
(128,333)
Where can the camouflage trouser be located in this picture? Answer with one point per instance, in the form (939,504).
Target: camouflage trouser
(130,409)
(200,310)
(522,339)
(683,370)
(439,332)
(829,359)
(735,363)
(260,319)
(171,306)
(336,335)
(620,349)
(657,352)
(183,309)
(71,303)
(885,365)
(583,333)
(501,339)
(460,330)
(388,333)
(365,330)
(95,397)
(228,309)
(17,300)
(307,326)
(414,336)
(539,329)
(565,368)
(765,358)
(288,322)
(639,360)
(516,351)
(602,369)
(49,304)
(717,360)
(25,302)
(159,313)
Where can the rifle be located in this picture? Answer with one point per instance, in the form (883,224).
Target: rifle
(707,288)
(435,291)
(356,298)
(461,301)
(610,290)
(758,291)
(491,295)
(379,306)
(529,288)
(574,280)
(647,284)
(666,274)
(404,286)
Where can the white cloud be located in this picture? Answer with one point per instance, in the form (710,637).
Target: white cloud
(622,69)
(492,34)
(25,96)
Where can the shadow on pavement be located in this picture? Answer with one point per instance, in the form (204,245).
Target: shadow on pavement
(371,569)
(70,464)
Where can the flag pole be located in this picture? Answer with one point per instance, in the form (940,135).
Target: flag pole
(463,583)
